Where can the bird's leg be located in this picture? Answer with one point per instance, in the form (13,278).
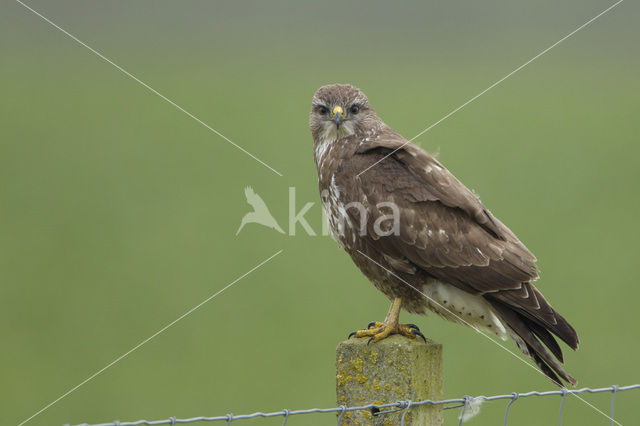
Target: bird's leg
(377,331)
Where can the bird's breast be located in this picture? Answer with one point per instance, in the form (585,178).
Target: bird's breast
(341,225)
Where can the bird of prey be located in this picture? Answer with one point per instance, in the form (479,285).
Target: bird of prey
(260,213)
(422,238)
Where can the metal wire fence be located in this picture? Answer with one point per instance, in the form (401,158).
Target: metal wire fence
(465,403)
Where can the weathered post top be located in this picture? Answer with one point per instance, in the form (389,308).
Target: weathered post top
(393,369)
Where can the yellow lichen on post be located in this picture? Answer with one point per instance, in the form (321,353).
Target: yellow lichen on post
(393,369)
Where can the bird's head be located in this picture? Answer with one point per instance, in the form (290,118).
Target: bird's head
(338,111)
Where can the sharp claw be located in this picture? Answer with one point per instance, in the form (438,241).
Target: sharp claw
(415,327)
(371,324)
(353,333)
(418,333)
(369,341)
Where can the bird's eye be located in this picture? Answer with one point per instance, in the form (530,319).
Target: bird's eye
(323,110)
(354,109)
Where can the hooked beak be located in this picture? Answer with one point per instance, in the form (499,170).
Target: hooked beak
(338,116)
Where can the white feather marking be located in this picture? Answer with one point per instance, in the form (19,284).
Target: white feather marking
(337,215)
(334,187)
(322,148)
(464,308)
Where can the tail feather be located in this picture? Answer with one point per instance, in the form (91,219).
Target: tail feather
(528,336)
(530,303)
(560,326)
(545,337)
(544,367)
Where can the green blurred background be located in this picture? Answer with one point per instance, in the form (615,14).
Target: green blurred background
(118,212)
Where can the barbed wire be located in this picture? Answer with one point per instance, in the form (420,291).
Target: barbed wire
(465,403)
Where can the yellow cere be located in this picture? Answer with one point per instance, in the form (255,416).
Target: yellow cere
(338,109)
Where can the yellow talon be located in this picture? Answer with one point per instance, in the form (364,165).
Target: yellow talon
(380,330)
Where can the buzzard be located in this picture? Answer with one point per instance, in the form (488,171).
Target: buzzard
(422,237)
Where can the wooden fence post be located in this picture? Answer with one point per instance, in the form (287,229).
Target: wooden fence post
(394,369)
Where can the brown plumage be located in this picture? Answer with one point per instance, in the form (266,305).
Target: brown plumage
(405,219)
